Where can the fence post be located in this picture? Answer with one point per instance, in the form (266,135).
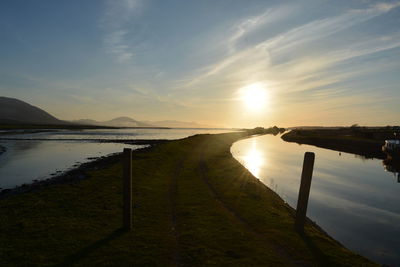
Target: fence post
(304,191)
(127,189)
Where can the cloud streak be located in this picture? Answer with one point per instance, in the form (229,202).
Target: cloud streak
(115,22)
(278,58)
(116,44)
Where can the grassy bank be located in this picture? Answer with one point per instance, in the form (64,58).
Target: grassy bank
(194,205)
(364,142)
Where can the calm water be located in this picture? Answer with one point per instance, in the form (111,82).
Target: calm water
(354,199)
(119,134)
(36,159)
(26,161)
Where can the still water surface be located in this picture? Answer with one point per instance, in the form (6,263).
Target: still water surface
(352,198)
(36,156)
(25,161)
(114,134)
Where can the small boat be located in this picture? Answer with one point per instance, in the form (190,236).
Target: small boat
(392,148)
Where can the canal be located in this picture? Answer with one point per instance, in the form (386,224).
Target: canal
(356,200)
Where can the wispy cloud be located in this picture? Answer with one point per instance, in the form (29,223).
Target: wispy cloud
(115,43)
(249,25)
(319,29)
(115,22)
(279,60)
(385,7)
(119,12)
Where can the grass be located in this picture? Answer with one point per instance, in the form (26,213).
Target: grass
(194,205)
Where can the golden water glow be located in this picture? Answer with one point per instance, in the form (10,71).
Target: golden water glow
(255,96)
(254,160)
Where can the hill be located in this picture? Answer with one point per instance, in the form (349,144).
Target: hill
(129,122)
(179,124)
(14,111)
(117,122)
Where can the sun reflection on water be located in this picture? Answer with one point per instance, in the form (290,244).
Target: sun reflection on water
(254,160)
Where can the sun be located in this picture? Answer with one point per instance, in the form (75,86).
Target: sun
(255,96)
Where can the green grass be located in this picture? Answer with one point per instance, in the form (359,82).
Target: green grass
(194,205)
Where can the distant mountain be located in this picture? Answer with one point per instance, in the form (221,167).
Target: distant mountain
(14,111)
(125,122)
(178,124)
(129,122)
(117,122)
(85,122)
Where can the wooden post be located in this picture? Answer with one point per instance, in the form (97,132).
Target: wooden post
(304,191)
(127,189)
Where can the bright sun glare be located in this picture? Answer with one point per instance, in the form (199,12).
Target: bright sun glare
(255,96)
(254,160)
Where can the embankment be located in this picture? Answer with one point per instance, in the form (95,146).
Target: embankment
(335,140)
(194,205)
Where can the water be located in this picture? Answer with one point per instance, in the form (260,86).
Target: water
(37,156)
(26,161)
(113,134)
(354,199)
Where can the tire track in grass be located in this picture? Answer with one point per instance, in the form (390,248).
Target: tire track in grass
(173,192)
(156,243)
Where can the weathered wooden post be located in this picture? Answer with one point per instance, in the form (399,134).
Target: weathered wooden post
(304,191)
(127,189)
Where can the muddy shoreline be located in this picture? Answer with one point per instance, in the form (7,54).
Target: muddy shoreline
(77,172)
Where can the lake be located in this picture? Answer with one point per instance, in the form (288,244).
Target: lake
(352,198)
(39,155)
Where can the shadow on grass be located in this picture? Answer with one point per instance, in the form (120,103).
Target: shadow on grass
(319,255)
(75,258)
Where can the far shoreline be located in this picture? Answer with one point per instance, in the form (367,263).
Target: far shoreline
(355,140)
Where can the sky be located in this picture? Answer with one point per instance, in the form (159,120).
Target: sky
(223,63)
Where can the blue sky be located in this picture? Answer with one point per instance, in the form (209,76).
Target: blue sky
(319,62)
